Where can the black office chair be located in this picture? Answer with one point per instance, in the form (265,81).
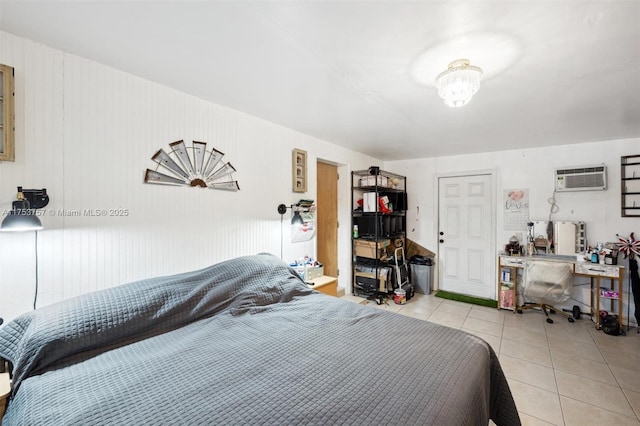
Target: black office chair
(545,284)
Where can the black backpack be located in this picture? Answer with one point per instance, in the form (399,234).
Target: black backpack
(609,324)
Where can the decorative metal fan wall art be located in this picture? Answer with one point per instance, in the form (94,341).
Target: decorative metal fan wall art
(193,166)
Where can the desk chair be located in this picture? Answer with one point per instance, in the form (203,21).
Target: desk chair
(545,284)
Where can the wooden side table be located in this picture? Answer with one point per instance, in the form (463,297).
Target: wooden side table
(5,390)
(325,284)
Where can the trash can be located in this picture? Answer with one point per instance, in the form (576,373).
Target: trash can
(420,268)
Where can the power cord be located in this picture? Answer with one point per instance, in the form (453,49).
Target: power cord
(554,205)
(553,209)
(35,297)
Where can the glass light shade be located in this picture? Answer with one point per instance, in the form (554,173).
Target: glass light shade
(459,83)
(21,220)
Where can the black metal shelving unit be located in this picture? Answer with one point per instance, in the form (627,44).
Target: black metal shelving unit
(376,226)
(630,185)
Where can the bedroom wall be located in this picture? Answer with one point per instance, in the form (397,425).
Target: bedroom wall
(526,168)
(87,132)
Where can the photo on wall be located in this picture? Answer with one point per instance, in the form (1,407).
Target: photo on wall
(299,170)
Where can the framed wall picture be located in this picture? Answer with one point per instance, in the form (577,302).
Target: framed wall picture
(7,142)
(299,170)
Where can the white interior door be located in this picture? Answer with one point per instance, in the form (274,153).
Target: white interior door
(465,235)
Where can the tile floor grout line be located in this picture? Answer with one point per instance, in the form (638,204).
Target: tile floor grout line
(600,408)
(626,397)
(555,376)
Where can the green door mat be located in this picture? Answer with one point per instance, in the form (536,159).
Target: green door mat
(467,299)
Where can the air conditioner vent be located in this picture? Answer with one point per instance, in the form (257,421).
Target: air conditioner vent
(587,178)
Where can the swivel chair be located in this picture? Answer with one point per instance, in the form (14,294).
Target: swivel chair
(546,283)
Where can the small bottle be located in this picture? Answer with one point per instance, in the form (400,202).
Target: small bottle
(355,231)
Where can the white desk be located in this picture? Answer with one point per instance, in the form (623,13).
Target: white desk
(508,285)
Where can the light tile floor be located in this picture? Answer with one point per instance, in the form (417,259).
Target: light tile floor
(559,374)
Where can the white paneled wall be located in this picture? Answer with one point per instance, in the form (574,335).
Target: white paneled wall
(87,132)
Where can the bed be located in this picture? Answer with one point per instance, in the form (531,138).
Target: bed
(243,342)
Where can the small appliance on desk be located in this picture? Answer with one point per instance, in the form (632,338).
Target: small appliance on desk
(513,248)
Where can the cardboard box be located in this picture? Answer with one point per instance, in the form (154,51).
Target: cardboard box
(367,248)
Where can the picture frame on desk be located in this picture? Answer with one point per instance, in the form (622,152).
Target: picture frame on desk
(299,170)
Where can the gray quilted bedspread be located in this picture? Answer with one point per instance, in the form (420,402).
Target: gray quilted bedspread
(244,342)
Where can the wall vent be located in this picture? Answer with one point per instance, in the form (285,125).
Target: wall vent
(587,178)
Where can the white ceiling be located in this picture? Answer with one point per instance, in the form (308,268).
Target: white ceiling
(359,73)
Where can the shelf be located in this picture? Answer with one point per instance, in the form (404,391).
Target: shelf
(376,189)
(361,173)
(380,237)
(629,165)
(372,237)
(397,213)
(377,226)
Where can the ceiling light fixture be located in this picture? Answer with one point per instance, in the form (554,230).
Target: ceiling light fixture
(458,83)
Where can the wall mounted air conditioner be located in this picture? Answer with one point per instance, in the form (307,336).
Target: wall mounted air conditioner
(586,178)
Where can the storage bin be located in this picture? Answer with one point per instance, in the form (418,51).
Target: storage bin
(506,299)
(315,272)
(420,277)
(371,181)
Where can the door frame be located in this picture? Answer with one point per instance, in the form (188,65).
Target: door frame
(494,219)
(344,222)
